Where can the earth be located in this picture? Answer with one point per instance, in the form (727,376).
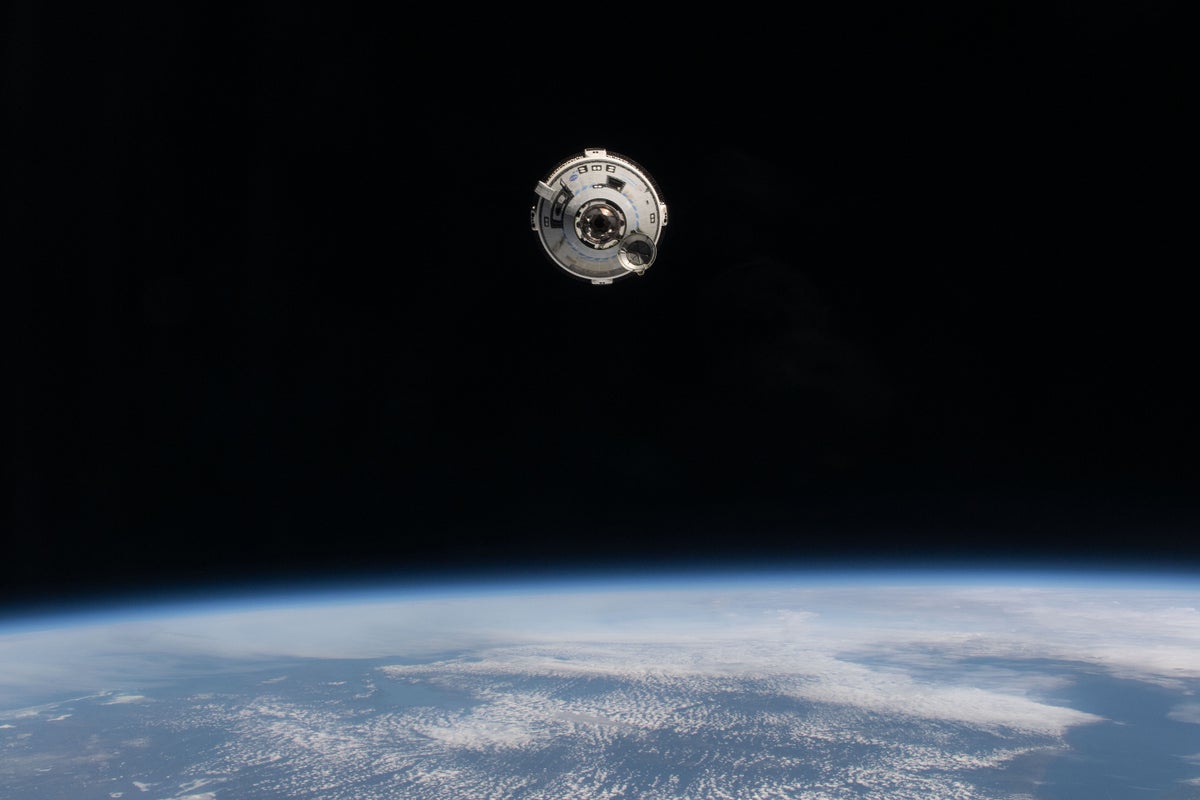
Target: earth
(791,685)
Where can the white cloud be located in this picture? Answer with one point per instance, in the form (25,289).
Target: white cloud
(1186,712)
(1132,630)
(784,670)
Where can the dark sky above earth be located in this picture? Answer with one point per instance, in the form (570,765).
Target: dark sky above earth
(273,308)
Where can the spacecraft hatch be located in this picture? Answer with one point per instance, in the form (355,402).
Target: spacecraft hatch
(599,216)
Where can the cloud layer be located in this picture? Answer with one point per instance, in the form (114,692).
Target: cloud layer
(1131,629)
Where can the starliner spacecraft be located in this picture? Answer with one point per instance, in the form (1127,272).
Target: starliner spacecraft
(599,215)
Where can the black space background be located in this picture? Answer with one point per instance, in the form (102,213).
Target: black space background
(273,310)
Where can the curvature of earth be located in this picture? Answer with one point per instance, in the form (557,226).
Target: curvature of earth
(791,686)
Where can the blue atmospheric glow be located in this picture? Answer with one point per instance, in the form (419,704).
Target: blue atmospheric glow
(376,587)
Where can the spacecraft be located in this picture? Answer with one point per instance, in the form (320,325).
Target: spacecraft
(599,216)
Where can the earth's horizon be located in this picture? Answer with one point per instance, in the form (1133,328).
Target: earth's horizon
(987,684)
